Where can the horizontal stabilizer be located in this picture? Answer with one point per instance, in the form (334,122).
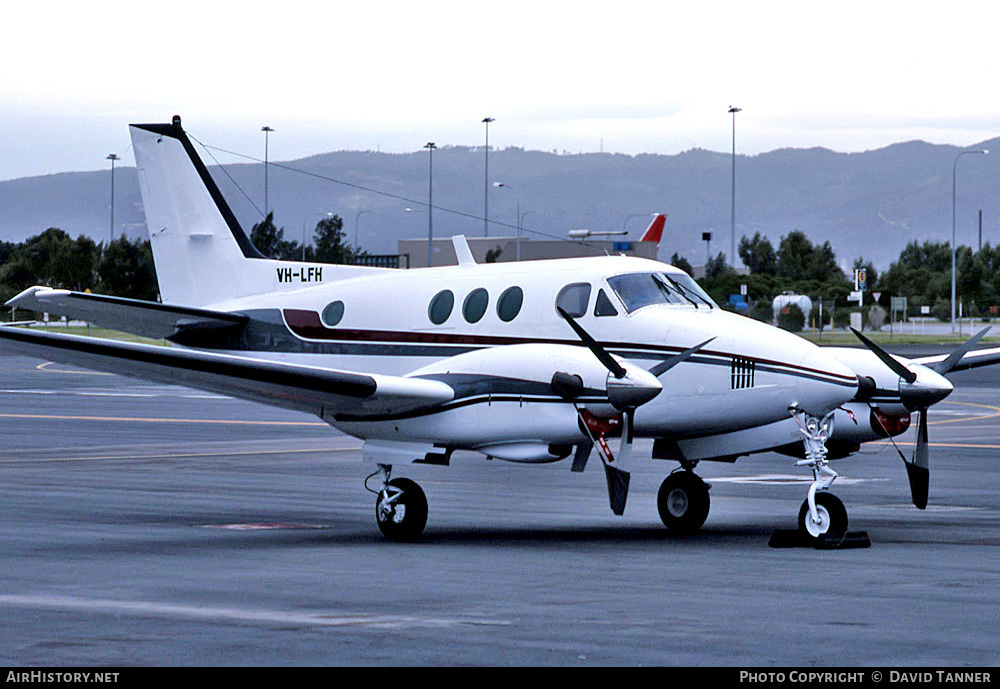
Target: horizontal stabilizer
(314,390)
(146,318)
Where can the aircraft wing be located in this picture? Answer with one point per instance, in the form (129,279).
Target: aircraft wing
(147,318)
(980,357)
(314,390)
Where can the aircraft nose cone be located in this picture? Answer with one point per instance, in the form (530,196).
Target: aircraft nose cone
(825,383)
(929,388)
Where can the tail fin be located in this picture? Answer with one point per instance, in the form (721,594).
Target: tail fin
(655,229)
(201,253)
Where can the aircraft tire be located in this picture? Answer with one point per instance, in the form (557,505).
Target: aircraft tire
(683,502)
(832,515)
(406,518)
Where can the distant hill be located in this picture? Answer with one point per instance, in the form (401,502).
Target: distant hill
(866,204)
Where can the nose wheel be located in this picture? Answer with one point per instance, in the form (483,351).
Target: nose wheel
(830,521)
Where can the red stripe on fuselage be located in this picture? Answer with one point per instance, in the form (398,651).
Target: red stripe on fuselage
(307,324)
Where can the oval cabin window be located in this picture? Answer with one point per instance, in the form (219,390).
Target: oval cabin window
(509,304)
(441,306)
(333,313)
(475,305)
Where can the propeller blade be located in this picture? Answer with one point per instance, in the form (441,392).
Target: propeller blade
(583,451)
(918,470)
(616,369)
(897,368)
(956,354)
(617,488)
(628,432)
(618,476)
(668,364)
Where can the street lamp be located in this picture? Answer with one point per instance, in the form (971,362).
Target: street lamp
(486,181)
(356,219)
(635,215)
(112,157)
(430,146)
(732,219)
(266,130)
(501,185)
(954,197)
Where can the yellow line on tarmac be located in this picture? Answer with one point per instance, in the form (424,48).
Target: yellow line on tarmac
(185,455)
(231,422)
(979,446)
(45,367)
(996,413)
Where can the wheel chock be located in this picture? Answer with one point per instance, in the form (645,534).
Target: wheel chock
(793,538)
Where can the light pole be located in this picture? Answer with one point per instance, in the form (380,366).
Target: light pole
(486,181)
(356,219)
(266,130)
(732,219)
(954,198)
(634,215)
(112,157)
(430,146)
(521,225)
(517,200)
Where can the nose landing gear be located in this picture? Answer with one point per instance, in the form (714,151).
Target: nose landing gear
(822,517)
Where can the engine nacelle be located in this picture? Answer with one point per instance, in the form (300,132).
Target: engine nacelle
(508,402)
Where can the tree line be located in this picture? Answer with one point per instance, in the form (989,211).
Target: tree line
(124,267)
(922,274)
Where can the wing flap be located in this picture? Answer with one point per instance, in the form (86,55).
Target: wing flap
(309,389)
(146,318)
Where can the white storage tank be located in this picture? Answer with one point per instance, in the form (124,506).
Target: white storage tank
(787,299)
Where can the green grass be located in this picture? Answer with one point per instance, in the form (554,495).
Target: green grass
(93,331)
(841,337)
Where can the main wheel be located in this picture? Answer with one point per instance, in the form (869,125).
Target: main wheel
(683,502)
(401,510)
(832,517)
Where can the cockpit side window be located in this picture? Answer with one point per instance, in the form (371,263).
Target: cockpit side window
(574,298)
(603,305)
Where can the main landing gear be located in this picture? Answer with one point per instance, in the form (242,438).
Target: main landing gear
(400,506)
(683,502)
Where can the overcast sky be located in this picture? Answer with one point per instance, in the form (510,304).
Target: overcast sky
(631,76)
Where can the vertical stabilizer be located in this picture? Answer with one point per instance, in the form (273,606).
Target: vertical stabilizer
(654,232)
(202,255)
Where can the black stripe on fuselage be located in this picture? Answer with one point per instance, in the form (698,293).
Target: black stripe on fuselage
(464,402)
(267,331)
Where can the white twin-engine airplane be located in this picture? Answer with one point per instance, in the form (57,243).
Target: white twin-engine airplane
(527,362)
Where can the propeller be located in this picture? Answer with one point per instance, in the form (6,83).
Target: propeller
(628,389)
(918,390)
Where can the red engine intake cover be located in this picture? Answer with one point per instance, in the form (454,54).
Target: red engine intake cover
(886,425)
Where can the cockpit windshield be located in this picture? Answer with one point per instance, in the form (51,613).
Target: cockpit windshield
(643,289)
